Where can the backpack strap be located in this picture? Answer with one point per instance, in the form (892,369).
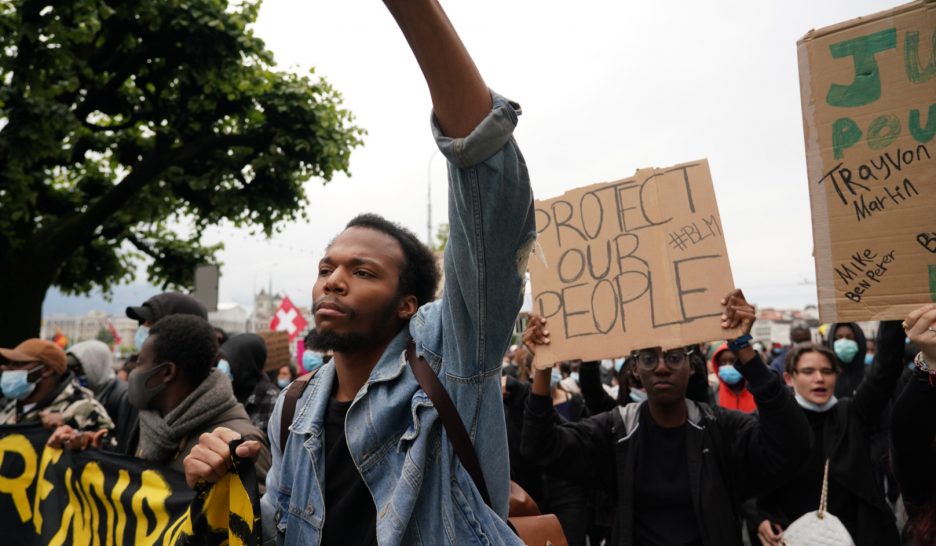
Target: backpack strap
(454,427)
(293,394)
(430,384)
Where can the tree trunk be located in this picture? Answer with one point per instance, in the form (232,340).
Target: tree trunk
(23,285)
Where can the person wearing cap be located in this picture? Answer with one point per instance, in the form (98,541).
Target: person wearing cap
(40,389)
(93,361)
(163,305)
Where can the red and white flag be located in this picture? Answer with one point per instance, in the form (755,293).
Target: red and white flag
(288,319)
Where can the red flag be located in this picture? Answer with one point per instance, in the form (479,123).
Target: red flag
(60,339)
(288,319)
(113,332)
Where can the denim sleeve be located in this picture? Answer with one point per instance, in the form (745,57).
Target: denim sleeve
(491,232)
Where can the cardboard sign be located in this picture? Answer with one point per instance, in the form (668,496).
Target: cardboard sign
(277,349)
(869,115)
(631,264)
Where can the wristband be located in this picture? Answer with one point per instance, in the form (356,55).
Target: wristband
(923,367)
(739,343)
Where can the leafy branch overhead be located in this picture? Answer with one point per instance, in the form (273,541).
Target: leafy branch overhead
(118,117)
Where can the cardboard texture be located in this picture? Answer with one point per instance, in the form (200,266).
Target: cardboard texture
(625,265)
(869,116)
(277,349)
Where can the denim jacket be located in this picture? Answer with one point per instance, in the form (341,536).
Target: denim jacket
(421,492)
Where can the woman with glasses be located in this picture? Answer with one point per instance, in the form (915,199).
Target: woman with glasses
(676,469)
(842,431)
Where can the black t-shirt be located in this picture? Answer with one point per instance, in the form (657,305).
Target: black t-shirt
(663,511)
(350,515)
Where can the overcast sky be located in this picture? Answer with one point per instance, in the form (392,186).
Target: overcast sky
(606,87)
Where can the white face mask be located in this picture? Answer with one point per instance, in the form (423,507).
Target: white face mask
(225,367)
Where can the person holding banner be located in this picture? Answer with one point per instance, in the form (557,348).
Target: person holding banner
(365,456)
(39,388)
(677,470)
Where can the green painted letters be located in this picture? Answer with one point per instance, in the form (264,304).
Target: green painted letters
(920,133)
(882,131)
(845,134)
(916,73)
(866,88)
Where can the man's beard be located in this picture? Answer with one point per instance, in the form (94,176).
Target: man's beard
(328,340)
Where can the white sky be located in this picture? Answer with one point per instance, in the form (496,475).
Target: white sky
(606,87)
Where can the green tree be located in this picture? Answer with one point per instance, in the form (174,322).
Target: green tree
(441,238)
(122,118)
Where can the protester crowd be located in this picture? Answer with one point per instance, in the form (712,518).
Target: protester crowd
(717,443)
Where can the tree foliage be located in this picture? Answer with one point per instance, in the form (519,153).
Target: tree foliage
(122,118)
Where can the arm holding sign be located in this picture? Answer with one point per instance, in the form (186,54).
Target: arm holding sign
(762,448)
(913,425)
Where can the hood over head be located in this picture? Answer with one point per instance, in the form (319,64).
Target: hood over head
(97,362)
(247,354)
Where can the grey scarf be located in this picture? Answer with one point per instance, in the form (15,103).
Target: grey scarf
(160,436)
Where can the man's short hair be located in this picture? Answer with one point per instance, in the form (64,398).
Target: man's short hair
(419,275)
(189,342)
(798,350)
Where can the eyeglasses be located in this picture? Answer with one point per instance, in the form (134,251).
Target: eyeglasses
(674,360)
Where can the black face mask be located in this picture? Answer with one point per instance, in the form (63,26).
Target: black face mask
(138,394)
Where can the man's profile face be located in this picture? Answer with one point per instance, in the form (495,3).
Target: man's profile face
(356,297)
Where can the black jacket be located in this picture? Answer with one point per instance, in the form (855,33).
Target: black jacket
(126,417)
(848,434)
(914,435)
(731,456)
(852,372)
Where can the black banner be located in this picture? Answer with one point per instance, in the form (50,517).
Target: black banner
(53,497)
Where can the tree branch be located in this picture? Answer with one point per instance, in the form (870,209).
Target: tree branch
(64,236)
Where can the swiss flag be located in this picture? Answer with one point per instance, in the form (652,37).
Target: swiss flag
(288,319)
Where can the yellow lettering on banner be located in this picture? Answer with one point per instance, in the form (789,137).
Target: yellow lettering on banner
(92,483)
(180,527)
(16,487)
(240,504)
(123,480)
(72,518)
(81,522)
(216,508)
(50,455)
(155,491)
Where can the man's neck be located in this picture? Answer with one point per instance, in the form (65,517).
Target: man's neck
(669,415)
(353,368)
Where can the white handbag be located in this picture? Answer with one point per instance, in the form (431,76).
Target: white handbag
(818,528)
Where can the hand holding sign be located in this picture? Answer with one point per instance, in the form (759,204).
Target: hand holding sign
(920,326)
(210,459)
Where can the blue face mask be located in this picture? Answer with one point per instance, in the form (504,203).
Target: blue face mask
(225,367)
(311,361)
(140,336)
(618,364)
(555,378)
(15,384)
(729,374)
(575,376)
(637,395)
(845,349)
(869,358)
(282,382)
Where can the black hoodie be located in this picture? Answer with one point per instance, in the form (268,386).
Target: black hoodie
(247,354)
(852,372)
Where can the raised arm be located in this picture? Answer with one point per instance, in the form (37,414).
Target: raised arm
(460,99)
